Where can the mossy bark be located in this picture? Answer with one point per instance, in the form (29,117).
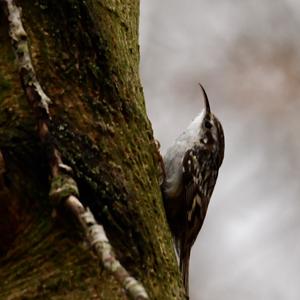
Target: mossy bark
(86,57)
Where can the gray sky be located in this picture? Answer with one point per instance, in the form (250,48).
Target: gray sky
(247,55)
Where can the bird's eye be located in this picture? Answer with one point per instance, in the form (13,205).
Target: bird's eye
(204,140)
(208,125)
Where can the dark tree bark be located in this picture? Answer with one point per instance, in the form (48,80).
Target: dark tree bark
(86,57)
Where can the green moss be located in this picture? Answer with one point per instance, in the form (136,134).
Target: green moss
(86,58)
(5,87)
(62,186)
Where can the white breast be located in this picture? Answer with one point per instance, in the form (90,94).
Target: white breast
(174,155)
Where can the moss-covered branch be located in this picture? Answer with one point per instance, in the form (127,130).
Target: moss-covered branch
(85,55)
(64,189)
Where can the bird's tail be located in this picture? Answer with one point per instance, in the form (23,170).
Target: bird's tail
(184,268)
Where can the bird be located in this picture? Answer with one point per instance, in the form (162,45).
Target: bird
(191,167)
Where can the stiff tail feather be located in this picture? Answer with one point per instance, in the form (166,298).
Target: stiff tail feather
(184,268)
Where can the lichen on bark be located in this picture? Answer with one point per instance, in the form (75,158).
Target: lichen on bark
(86,57)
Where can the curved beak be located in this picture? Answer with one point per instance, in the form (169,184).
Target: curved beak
(206,102)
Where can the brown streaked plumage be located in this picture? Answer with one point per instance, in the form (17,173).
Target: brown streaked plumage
(191,166)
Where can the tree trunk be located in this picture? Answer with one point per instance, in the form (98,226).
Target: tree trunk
(86,57)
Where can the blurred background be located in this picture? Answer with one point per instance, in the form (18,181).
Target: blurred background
(247,55)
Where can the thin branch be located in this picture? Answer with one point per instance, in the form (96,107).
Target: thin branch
(100,243)
(64,189)
(20,44)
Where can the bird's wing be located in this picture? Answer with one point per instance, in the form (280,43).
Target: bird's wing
(194,208)
(195,197)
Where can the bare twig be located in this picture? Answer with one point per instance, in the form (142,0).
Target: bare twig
(100,243)
(64,189)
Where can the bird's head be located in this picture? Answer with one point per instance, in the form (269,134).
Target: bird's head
(211,136)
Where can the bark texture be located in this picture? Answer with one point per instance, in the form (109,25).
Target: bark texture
(86,57)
